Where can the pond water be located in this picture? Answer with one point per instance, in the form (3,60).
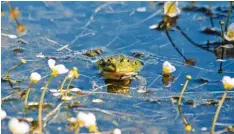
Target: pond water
(118,28)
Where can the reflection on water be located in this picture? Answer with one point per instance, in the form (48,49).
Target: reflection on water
(118,86)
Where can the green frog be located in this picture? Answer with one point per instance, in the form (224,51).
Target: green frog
(119,67)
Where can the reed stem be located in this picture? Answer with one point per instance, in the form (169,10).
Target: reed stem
(62,85)
(228,17)
(27,94)
(217,112)
(41,104)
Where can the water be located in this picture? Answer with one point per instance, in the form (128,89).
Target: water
(117,27)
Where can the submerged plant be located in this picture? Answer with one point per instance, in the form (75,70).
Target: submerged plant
(34,78)
(14,15)
(228,84)
(187,127)
(55,71)
(6,77)
(71,75)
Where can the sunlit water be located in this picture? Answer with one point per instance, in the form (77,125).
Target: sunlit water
(118,27)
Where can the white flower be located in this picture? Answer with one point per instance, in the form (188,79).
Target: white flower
(228,82)
(88,119)
(35,77)
(229,36)
(3,114)
(171,9)
(18,127)
(56,69)
(116,131)
(168,68)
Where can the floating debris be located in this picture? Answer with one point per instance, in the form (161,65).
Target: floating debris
(97,101)
(211,31)
(18,50)
(94,52)
(141,9)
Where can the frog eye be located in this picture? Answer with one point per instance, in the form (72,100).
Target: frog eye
(109,61)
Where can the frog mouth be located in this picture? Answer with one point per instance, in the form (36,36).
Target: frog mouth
(118,75)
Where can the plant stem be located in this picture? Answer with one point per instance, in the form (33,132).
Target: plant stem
(180,98)
(6,76)
(222,34)
(217,112)
(62,85)
(190,40)
(173,44)
(27,94)
(228,17)
(68,86)
(41,104)
(77,130)
(211,14)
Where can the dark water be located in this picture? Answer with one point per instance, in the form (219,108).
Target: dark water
(118,27)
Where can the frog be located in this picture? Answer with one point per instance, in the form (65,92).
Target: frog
(118,72)
(119,67)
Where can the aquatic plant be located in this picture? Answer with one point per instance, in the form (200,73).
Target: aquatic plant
(34,78)
(168,68)
(187,127)
(228,84)
(6,77)
(55,71)
(14,15)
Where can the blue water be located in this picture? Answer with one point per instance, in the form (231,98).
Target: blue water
(117,27)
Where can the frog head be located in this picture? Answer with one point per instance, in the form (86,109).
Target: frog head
(119,64)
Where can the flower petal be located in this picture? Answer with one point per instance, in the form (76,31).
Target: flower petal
(226,79)
(231,27)
(35,77)
(51,63)
(82,116)
(61,69)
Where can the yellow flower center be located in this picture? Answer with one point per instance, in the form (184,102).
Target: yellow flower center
(171,8)
(33,81)
(166,70)
(228,86)
(54,72)
(80,123)
(230,34)
(93,129)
